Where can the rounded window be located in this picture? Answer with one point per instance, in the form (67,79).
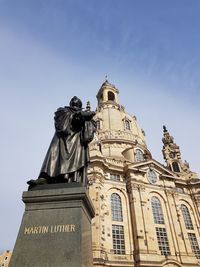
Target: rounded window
(139,156)
(98,125)
(186,217)
(127,125)
(175,166)
(116,207)
(152,176)
(111,96)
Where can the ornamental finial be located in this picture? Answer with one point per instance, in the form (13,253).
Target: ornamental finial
(164,129)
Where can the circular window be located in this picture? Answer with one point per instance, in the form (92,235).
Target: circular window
(152,176)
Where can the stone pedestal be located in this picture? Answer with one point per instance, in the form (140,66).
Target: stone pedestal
(55,229)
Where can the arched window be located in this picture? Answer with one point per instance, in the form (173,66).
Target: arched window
(98,124)
(127,125)
(186,217)
(157,211)
(139,156)
(116,208)
(161,232)
(175,166)
(111,96)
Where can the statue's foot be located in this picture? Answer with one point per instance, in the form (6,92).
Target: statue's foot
(38,181)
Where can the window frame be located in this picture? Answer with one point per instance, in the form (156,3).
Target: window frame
(175,166)
(98,124)
(111,96)
(116,207)
(138,157)
(163,242)
(127,125)
(157,211)
(194,244)
(152,178)
(118,239)
(186,217)
(115,177)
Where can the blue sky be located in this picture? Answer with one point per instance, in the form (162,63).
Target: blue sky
(51,50)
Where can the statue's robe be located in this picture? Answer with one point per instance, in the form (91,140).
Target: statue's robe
(68,151)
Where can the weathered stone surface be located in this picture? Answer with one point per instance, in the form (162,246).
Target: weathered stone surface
(55,229)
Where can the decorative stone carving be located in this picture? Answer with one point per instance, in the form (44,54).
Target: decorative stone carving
(135,187)
(116,145)
(141,188)
(95,178)
(119,135)
(115,162)
(171,192)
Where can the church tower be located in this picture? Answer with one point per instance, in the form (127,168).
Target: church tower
(147,214)
(172,156)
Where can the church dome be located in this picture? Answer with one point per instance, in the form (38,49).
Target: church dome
(116,129)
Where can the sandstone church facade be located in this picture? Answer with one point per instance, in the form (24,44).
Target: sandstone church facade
(147,213)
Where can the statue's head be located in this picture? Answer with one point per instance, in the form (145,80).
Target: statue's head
(75,103)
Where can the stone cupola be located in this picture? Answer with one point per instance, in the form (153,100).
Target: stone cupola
(108,93)
(118,131)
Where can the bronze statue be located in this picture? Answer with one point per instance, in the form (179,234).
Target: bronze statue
(68,156)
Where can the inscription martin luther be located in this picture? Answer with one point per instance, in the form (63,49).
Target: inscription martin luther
(52,229)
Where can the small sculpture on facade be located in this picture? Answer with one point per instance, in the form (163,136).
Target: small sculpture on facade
(68,155)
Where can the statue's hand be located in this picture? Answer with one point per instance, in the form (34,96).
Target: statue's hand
(88,115)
